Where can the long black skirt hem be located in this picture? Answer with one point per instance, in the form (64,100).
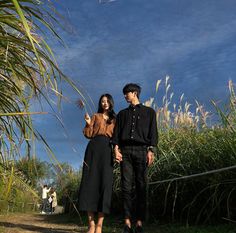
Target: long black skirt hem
(97,176)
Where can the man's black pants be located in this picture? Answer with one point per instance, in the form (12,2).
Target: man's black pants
(134,171)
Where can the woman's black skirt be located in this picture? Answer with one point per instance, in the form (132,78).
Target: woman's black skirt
(97,177)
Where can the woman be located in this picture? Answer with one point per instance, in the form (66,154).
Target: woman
(53,200)
(96,184)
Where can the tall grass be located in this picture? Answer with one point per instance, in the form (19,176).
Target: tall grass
(190,145)
(28,72)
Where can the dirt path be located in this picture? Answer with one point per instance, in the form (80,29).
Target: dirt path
(36,223)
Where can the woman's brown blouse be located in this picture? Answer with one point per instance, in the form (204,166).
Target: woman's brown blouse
(98,126)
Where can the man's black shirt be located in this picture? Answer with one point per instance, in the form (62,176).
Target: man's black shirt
(136,125)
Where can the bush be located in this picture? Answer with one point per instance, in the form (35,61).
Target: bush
(199,199)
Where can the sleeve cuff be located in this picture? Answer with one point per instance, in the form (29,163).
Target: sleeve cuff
(152,149)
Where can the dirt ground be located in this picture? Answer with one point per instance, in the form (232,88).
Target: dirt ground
(37,223)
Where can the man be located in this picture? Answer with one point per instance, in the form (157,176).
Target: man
(45,191)
(135,140)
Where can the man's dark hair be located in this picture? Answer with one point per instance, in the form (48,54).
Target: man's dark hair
(132,87)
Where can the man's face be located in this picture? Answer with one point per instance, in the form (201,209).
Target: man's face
(130,96)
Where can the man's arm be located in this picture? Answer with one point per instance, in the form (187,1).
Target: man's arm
(116,133)
(117,153)
(151,150)
(116,139)
(153,133)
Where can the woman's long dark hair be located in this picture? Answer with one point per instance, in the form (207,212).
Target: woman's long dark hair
(111,113)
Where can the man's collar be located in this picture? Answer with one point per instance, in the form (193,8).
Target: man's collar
(134,106)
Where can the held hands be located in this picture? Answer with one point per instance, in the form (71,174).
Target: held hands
(117,154)
(150,158)
(87,118)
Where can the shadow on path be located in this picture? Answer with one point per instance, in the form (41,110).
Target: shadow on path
(19,223)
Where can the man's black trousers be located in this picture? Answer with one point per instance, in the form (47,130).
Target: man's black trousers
(134,178)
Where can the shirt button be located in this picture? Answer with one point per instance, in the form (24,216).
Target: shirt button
(133,123)
(133,116)
(134,109)
(132,137)
(132,130)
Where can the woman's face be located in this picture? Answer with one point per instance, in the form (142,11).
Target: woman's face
(105,104)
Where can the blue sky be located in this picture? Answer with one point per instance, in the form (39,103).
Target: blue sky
(109,45)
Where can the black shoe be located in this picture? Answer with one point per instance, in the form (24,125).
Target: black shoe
(127,230)
(138,229)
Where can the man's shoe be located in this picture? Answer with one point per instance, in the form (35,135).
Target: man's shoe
(127,230)
(138,229)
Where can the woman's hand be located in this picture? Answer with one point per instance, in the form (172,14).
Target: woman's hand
(117,154)
(87,118)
